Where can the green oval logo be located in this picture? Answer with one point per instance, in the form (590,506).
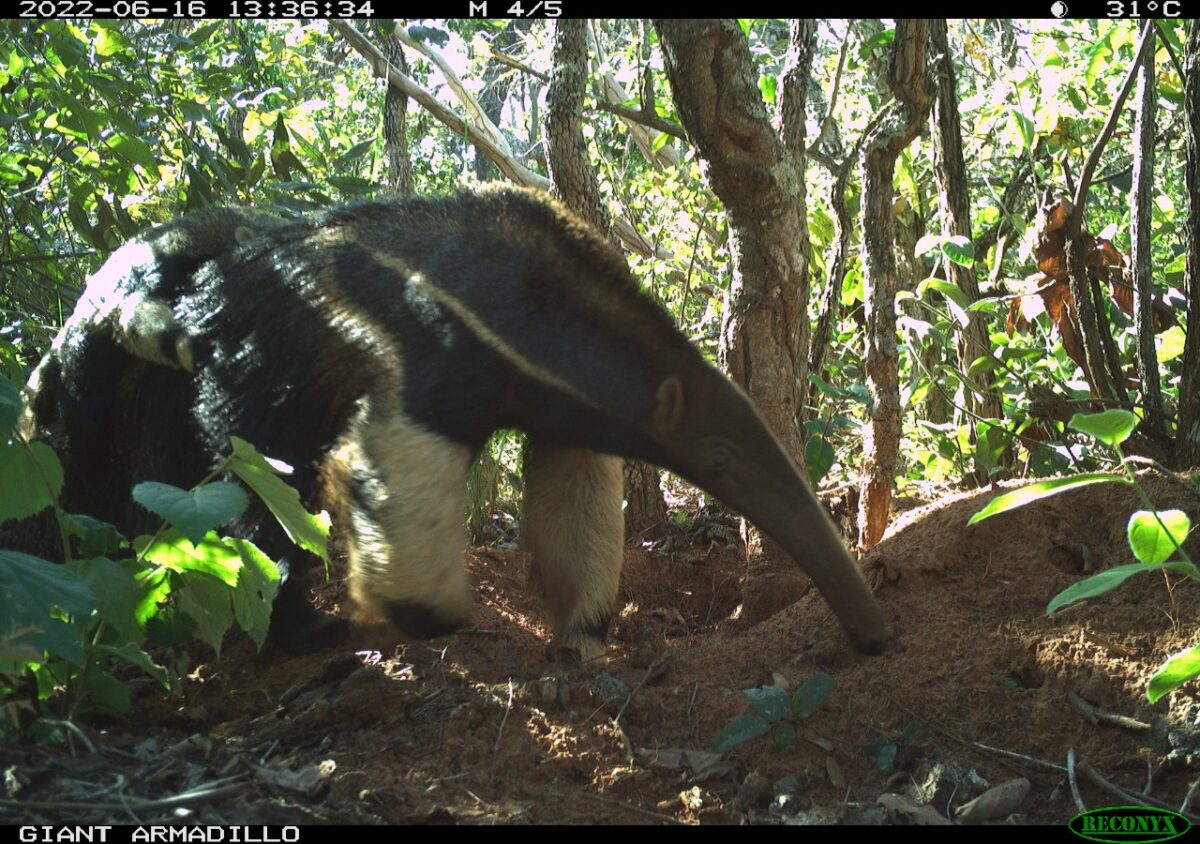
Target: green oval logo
(1120,824)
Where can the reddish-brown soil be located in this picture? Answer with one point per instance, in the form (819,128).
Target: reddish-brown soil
(480,728)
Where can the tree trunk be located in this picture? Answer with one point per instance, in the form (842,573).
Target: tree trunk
(1188,435)
(831,299)
(575,182)
(910,83)
(1154,424)
(955,206)
(754,172)
(395,111)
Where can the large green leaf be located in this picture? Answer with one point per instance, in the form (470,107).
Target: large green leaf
(255,591)
(96,538)
(105,691)
(818,458)
(1111,427)
(1155,536)
(210,556)
(1095,585)
(306,530)
(30,591)
(956,300)
(739,730)
(30,479)
(1042,489)
(194,513)
(134,655)
(1173,673)
(771,702)
(117,594)
(209,602)
(809,697)
(10,405)
(960,250)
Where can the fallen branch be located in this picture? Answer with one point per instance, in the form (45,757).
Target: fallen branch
(1098,716)
(1125,794)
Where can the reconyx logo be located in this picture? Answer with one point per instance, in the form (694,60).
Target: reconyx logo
(1120,824)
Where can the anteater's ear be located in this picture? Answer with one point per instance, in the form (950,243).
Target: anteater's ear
(668,406)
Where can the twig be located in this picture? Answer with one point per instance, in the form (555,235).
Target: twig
(654,666)
(517,64)
(73,728)
(1079,804)
(687,281)
(1089,167)
(1125,794)
(626,744)
(1028,760)
(631,808)
(503,721)
(1170,51)
(645,118)
(1098,716)
(1163,470)
(1184,807)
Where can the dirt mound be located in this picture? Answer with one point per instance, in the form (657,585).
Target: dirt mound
(480,728)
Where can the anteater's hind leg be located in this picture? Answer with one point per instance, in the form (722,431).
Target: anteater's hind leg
(574,529)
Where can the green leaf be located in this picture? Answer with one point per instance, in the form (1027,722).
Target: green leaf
(25,471)
(740,730)
(1042,489)
(887,757)
(194,513)
(1024,128)
(355,152)
(785,736)
(306,530)
(31,589)
(135,151)
(105,690)
(117,594)
(96,538)
(1095,585)
(210,556)
(818,459)
(1173,673)
(956,300)
(10,406)
(1170,344)
(1154,539)
(826,388)
(927,243)
(1111,427)
(771,702)
(767,85)
(209,602)
(981,366)
(255,592)
(960,250)
(809,697)
(135,656)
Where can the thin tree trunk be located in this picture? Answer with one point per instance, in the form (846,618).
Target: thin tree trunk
(1188,436)
(1153,422)
(575,182)
(909,80)
(753,171)
(831,298)
(395,111)
(955,207)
